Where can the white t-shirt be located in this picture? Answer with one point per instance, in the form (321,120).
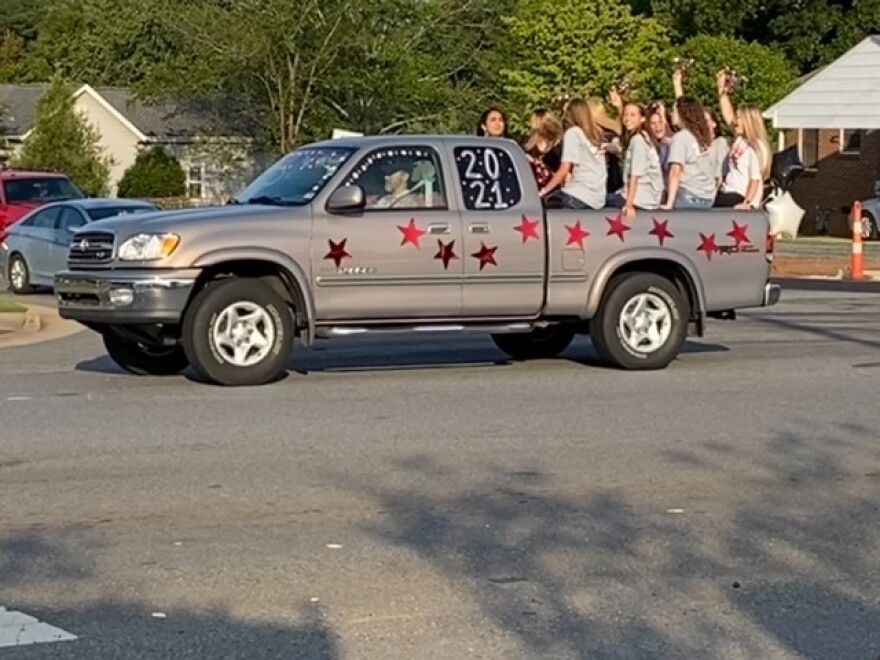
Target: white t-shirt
(719,153)
(697,165)
(643,161)
(590,170)
(741,167)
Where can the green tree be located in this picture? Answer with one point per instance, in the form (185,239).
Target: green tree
(767,75)
(419,66)
(79,39)
(21,17)
(689,18)
(62,140)
(566,46)
(13,58)
(154,174)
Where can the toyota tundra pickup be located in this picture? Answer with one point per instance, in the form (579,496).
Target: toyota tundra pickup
(442,234)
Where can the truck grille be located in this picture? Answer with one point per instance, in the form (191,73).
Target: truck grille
(92,247)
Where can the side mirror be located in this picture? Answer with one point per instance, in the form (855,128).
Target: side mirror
(347,199)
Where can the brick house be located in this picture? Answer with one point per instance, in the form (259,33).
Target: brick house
(834,118)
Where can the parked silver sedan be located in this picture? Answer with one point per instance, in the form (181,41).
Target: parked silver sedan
(36,247)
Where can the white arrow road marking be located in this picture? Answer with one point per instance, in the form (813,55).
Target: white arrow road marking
(18,629)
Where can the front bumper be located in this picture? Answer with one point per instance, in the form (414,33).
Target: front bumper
(772,292)
(124,297)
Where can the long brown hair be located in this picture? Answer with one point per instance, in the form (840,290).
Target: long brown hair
(692,117)
(578,114)
(641,130)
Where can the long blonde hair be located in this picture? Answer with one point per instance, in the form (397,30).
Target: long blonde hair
(755,134)
(578,114)
(543,125)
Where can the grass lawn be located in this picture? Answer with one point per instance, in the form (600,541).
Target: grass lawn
(8,304)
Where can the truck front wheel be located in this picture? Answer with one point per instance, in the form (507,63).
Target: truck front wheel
(641,323)
(537,344)
(143,359)
(238,332)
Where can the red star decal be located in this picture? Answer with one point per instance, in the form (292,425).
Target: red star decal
(661,230)
(528,229)
(412,233)
(337,252)
(486,255)
(739,234)
(707,245)
(446,253)
(617,226)
(576,234)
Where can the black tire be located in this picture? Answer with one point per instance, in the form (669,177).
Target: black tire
(25,285)
(605,326)
(213,361)
(537,344)
(143,359)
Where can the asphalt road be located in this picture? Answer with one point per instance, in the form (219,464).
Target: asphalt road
(424,498)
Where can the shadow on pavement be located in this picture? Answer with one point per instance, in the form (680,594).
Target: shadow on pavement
(119,629)
(786,568)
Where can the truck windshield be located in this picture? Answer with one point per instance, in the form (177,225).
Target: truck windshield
(40,190)
(295,179)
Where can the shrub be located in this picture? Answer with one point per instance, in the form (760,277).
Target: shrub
(154,173)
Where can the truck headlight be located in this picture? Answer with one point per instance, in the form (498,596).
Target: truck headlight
(148,247)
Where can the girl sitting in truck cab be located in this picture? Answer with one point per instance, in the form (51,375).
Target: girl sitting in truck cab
(691,183)
(583,156)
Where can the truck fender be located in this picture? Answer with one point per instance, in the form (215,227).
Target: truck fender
(296,276)
(628,260)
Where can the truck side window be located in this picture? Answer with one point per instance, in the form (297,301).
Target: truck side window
(488,177)
(401,178)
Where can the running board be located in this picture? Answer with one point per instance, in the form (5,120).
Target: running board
(351,330)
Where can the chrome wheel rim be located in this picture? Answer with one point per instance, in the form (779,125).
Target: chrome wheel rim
(17,274)
(867,227)
(645,323)
(243,333)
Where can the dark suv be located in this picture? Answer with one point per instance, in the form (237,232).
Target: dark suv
(22,192)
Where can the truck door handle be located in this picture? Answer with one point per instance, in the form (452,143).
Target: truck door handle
(439,229)
(479,228)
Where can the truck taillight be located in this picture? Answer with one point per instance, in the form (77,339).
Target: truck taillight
(771,246)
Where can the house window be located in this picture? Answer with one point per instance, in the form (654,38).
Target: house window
(851,141)
(808,145)
(195,181)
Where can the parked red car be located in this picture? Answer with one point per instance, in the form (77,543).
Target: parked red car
(22,191)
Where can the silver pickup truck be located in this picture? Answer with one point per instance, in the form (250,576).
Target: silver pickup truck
(405,234)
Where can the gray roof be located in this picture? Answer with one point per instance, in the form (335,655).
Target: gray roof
(163,120)
(20,106)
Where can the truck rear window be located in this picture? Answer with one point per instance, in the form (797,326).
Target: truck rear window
(40,190)
(488,178)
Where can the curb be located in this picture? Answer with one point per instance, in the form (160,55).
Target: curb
(36,325)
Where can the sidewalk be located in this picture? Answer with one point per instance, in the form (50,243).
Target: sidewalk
(39,324)
(821,256)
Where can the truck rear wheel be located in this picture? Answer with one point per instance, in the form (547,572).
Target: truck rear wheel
(641,323)
(537,344)
(143,359)
(238,332)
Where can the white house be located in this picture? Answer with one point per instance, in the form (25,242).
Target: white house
(217,164)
